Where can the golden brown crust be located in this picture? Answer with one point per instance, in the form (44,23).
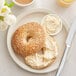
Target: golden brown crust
(28,39)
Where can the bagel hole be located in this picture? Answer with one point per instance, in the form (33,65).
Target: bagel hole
(43,49)
(28,38)
(41,52)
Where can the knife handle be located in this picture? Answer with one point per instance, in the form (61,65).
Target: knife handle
(71,34)
(62,61)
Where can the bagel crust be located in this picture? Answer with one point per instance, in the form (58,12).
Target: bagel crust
(28,39)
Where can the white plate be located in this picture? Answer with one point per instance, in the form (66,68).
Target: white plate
(36,15)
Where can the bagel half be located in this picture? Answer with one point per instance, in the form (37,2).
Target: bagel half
(28,39)
(44,58)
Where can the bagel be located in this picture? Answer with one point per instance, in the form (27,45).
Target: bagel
(28,39)
(45,57)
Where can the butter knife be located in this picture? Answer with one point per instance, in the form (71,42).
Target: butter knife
(68,45)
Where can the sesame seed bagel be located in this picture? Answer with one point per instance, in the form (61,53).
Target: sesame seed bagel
(28,39)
